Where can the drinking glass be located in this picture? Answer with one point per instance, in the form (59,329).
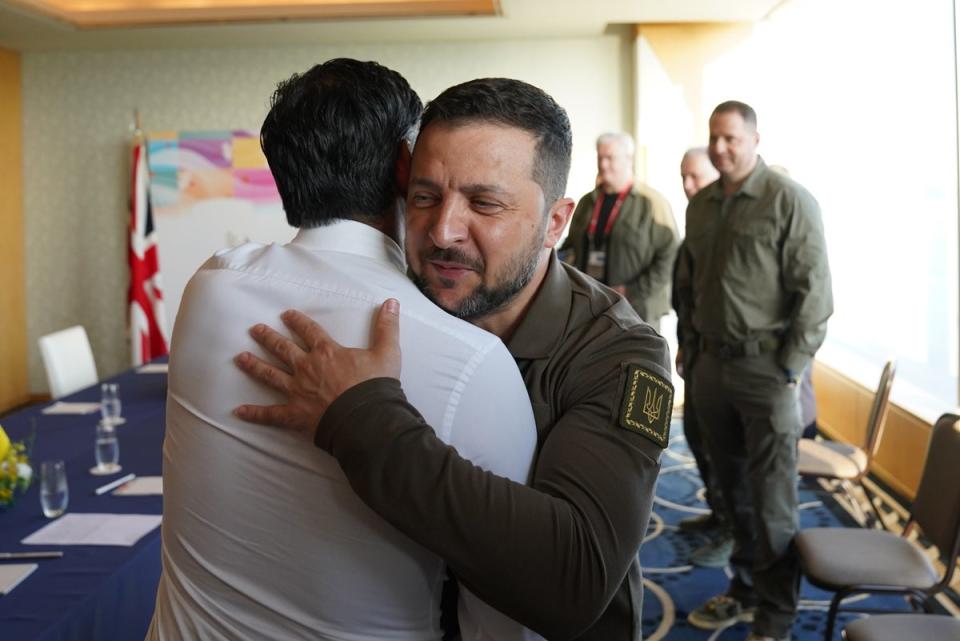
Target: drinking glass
(54,494)
(110,403)
(107,449)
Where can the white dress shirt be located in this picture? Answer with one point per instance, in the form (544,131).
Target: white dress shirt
(262,536)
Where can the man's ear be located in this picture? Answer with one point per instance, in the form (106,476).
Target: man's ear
(557,220)
(402,171)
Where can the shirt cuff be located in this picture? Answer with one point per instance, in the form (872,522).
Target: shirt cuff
(369,393)
(794,361)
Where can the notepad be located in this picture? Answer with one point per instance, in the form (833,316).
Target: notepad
(12,574)
(141,486)
(95,529)
(61,407)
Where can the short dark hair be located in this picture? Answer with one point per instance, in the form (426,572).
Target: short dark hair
(513,103)
(746,111)
(331,140)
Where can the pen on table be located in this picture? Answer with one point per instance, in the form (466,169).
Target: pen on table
(30,555)
(114,484)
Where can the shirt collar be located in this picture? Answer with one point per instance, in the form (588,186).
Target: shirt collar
(752,186)
(542,328)
(352,237)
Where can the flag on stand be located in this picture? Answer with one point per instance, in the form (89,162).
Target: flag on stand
(148,332)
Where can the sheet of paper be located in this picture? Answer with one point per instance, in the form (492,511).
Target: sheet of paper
(94,529)
(60,407)
(141,486)
(12,574)
(153,368)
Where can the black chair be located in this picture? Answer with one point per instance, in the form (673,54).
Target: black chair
(897,627)
(856,561)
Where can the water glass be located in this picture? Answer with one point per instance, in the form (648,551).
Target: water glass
(54,494)
(107,449)
(110,403)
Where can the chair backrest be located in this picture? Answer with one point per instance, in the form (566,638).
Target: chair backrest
(936,509)
(68,359)
(879,410)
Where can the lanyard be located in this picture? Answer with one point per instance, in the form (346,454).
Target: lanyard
(613,212)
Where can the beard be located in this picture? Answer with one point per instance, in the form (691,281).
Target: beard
(484,300)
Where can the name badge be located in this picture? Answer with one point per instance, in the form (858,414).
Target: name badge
(597,259)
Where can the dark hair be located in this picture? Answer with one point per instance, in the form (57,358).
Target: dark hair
(746,111)
(331,139)
(517,104)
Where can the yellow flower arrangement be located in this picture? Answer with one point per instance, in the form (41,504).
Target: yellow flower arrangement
(15,470)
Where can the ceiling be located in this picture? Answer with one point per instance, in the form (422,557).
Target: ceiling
(38,25)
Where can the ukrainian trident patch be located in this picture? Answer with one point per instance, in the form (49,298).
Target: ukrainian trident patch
(647,405)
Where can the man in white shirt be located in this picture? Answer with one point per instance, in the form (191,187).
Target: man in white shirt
(263,537)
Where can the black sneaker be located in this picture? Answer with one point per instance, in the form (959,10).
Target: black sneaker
(701,523)
(720,611)
(715,554)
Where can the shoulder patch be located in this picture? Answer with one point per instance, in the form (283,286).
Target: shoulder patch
(647,405)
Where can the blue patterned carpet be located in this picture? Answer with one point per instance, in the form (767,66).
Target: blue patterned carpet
(673,587)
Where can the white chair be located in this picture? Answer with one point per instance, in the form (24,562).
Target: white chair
(68,359)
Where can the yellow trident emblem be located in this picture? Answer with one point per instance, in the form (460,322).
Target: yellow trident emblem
(652,403)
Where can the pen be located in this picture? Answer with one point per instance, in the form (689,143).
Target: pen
(113,484)
(30,555)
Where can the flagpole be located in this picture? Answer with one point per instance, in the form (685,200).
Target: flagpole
(137,129)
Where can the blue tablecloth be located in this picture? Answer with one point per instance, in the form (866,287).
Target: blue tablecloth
(94,592)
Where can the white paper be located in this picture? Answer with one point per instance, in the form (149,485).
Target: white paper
(61,407)
(141,486)
(153,368)
(12,574)
(95,529)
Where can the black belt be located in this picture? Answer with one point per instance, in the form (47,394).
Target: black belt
(739,350)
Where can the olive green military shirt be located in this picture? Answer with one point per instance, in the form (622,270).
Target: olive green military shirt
(641,247)
(754,268)
(559,555)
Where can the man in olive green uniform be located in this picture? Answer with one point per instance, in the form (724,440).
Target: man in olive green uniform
(558,555)
(755,280)
(696,172)
(623,233)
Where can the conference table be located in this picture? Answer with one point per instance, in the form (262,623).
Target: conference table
(101,593)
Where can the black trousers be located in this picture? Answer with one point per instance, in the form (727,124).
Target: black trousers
(698,447)
(751,420)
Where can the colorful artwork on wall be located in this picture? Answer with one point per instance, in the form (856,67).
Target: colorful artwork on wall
(210,190)
(186,167)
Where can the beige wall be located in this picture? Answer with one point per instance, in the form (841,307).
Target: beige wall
(78,108)
(673,99)
(13,329)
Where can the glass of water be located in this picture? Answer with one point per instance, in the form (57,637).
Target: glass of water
(110,403)
(107,449)
(54,494)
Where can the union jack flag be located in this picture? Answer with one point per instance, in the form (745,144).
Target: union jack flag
(148,332)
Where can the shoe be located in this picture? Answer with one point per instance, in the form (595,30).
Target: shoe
(720,611)
(715,554)
(700,523)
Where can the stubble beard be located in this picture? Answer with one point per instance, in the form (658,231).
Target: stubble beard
(483,300)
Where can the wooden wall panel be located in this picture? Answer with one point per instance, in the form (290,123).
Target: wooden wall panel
(13,321)
(842,410)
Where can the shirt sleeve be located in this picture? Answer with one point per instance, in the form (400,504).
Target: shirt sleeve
(806,279)
(505,447)
(659,273)
(683,303)
(550,555)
